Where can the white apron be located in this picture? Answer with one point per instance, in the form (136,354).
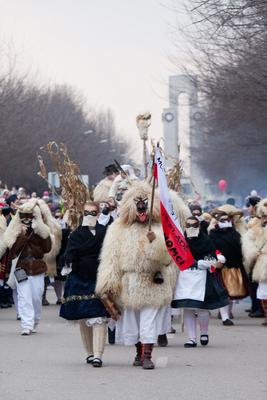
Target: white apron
(191,284)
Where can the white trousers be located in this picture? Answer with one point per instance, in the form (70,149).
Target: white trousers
(142,325)
(30,300)
(262,291)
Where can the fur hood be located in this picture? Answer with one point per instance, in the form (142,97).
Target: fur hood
(101,191)
(120,181)
(261,208)
(14,228)
(3,226)
(128,207)
(56,237)
(254,248)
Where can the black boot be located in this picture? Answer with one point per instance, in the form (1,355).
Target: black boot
(111,336)
(138,358)
(162,340)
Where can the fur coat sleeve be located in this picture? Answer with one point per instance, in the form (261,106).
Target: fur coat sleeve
(109,274)
(249,250)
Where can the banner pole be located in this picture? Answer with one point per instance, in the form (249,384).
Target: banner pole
(152,201)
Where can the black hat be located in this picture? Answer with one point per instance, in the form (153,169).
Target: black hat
(110,169)
(252,201)
(195,207)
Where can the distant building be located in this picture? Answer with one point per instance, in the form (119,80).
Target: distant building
(174,141)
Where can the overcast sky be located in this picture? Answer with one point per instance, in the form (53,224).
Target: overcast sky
(115,51)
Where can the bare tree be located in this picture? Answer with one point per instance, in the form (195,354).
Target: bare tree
(228,44)
(32,115)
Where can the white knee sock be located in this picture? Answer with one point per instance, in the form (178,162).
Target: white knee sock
(87,337)
(203,319)
(224,311)
(99,339)
(190,324)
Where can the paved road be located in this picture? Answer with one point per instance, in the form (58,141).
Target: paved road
(50,365)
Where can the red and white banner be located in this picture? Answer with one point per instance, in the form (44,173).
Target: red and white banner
(175,241)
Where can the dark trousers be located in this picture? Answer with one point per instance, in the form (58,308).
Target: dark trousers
(255,303)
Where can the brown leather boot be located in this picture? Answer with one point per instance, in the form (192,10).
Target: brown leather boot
(147,362)
(264,306)
(138,358)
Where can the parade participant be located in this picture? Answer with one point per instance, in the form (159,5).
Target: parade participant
(196,211)
(254,246)
(130,258)
(4,303)
(227,240)
(182,212)
(7,296)
(79,300)
(28,239)
(122,183)
(235,217)
(251,204)
(197,289)
(50,258)
(101,191)
(256,310)
(60,260)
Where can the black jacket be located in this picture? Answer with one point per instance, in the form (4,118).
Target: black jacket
(83,250)
(229,243)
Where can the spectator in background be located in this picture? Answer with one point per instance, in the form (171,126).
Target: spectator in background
(256,310)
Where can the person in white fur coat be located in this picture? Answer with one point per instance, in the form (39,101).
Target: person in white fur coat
(130,258)
(254,248)
(28,238)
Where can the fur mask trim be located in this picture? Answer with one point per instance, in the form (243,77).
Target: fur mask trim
(261,208)
(128,211)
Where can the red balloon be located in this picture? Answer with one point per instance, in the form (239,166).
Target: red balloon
(222,184)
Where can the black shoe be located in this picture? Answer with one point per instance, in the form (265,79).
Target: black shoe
(256,314)
(90,359)
(162,340)
(248,310)
(231,316)
(5,305)
(172,330)
(111,336)
(190,343)
(228,322)
(97,363)
(204,340)
(59,302)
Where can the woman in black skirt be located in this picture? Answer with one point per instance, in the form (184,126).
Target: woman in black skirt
(79,301)
(197,288)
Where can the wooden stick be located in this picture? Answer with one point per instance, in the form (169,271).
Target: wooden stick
(152,201)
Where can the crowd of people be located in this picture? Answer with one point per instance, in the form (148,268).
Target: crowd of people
(113,273)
